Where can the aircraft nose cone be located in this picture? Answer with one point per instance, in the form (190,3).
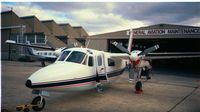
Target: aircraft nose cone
(28,83)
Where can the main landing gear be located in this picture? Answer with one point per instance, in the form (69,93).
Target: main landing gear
(138,87)
(99,87)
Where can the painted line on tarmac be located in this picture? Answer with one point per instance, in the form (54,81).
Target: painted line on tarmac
(173,84)
(183,99)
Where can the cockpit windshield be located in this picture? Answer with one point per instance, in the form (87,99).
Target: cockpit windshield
(63,55)
(75,56)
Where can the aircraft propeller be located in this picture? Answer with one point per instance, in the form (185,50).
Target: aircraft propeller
(132,56)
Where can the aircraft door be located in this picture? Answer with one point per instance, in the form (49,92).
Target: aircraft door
(100,64)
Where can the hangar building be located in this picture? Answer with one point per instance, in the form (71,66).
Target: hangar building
(171,38)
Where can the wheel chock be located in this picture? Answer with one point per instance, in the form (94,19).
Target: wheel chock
(25,107)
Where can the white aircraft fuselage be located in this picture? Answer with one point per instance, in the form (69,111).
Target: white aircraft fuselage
(77,69)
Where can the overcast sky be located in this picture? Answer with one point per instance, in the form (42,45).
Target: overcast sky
(104,17)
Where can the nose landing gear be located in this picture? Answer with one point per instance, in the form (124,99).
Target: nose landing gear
(39,103)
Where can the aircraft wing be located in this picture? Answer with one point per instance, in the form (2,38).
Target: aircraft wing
(33,56)
(172,55)
(40,58)
(34,46)
(119,55)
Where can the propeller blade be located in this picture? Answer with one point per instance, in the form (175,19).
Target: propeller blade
(119,46)
(148,50)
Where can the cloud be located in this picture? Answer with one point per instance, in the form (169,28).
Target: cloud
(27,9)
(103,22)
(159,12)
(101,17)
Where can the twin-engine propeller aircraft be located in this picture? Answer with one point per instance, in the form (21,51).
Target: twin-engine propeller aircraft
(50,54)
(79,69)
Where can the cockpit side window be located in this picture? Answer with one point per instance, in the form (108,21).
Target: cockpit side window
(90,61)
(76,57)
(64,55)
(111,62)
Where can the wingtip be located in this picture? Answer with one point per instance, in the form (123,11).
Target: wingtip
(10,41)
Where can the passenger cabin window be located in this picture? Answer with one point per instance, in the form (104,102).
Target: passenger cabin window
(90,61)
(99,59)
(111,62)
(63,55)
(76,57)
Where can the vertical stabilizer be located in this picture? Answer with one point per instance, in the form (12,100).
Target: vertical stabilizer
(130,40)
(30,50)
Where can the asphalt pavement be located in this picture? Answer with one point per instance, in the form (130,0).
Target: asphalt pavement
(167,91)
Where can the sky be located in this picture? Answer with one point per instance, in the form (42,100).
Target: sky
(102,17)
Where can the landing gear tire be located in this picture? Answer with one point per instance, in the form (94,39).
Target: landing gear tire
(38,103)
(138,86)
(43,63)
(99,87)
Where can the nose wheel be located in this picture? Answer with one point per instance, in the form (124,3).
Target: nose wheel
(39,103)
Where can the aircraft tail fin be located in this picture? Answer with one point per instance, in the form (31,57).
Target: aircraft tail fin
(30,50)
(130,40)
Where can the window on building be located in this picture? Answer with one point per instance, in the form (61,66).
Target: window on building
(21,39)
(63,38)
(30,38)
(13,37)
(40,39)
